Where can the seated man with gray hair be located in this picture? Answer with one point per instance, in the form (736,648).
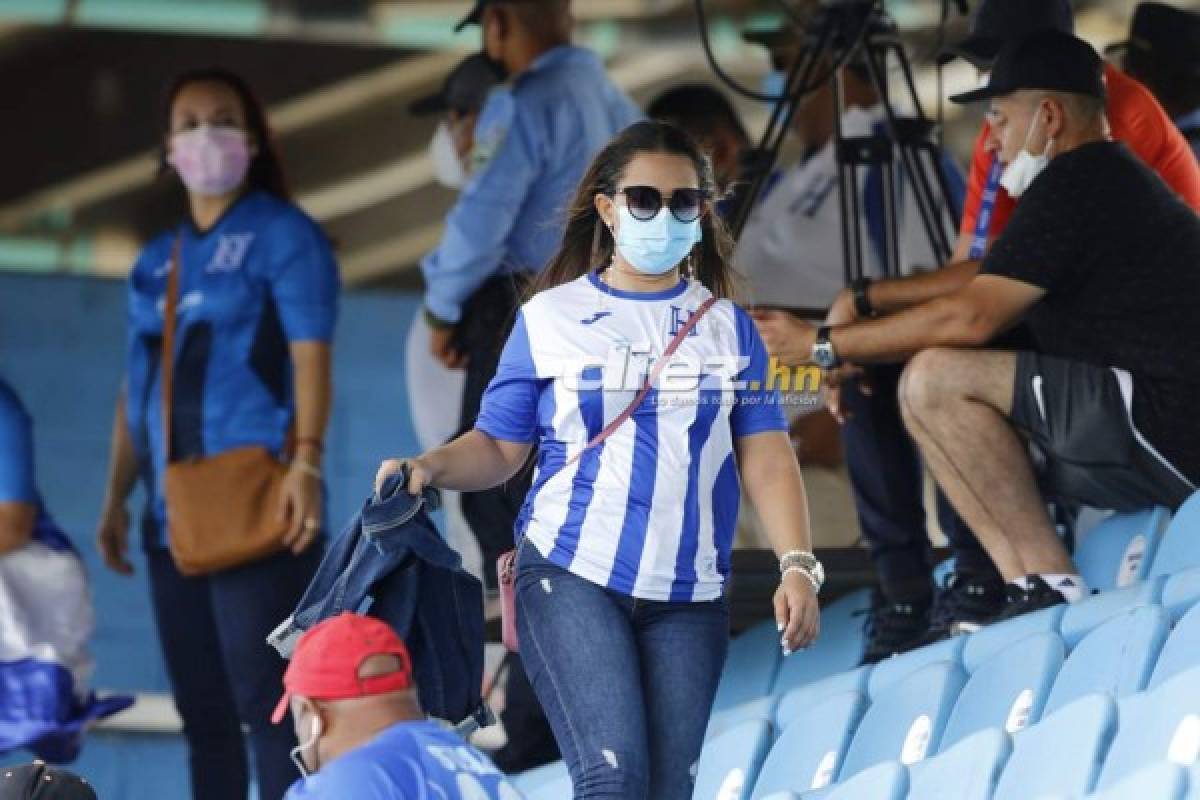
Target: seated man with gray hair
(1101,260)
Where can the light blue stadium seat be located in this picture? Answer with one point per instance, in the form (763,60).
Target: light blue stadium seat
(988,641)
(783,796)
(1059,756)
(797,703)
(1009,691)
(729,763)
(1083,617)
(1162,725)
(1180,545)
(882,782)
(1181,592)
(807,755)
(1117,552)
(905,722)
(759,708)
(1181,651)
(550,782)
(1116,658)
(890,671)
(1162,781)
(967,771)
(839,646)
(750,666)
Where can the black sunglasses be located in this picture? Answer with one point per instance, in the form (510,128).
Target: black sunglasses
(644,202)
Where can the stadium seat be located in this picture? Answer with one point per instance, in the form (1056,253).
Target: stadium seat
(1059,756)
(551,782)
(882,782)
(1181,651)
(797,703)
(1115,659)
(1162,725)
(1181,592)
(1163,781)
(890,671)
(807,755)
(991,640)
(1117,551)
(1008,691)
(759,708)
(729,763)
(967,771)
(904,722)
(1180,545)
(838,648)
(1083,617)
(750,666)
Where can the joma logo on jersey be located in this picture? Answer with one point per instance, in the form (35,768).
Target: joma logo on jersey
(231,251)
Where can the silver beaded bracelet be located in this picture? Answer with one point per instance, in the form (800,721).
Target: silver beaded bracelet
(812,579)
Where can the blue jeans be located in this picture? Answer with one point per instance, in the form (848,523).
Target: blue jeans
(627,684)
(223,674)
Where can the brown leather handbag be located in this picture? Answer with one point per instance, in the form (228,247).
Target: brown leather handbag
(222,510)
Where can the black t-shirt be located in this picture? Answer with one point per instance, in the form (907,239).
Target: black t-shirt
(1118,254)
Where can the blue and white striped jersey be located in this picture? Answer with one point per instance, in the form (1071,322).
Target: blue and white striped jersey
(651,511)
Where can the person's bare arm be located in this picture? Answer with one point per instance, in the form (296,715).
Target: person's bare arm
(969,317)
(896,294)
(300,496)
(112,537)
(471,463)
(768,469)
(16,525)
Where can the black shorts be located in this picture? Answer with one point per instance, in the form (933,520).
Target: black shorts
(1077,419)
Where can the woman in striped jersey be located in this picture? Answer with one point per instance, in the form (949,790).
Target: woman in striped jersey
(624,539)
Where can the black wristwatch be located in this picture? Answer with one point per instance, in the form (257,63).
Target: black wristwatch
(823,354)
(862,303)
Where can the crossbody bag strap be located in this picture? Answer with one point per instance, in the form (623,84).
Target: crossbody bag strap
(659,366)
(166,364)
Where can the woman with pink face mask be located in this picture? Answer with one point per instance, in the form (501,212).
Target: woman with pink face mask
(255,288)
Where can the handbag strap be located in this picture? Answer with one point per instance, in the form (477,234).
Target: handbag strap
(659,366)
(167,357)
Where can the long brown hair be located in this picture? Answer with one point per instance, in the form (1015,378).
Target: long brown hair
(587,241)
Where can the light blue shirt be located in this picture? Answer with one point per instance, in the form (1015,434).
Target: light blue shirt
(533,142)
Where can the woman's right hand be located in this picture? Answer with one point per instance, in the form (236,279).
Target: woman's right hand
(418,474)
(112,538)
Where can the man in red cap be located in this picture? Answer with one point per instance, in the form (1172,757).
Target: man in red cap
(361,730)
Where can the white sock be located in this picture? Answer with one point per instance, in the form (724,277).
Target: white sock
(1070,584)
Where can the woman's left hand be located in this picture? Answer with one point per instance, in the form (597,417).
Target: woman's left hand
(300,507)
(797,614)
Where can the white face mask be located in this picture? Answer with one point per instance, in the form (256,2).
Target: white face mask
(448,168)
(1019,175)
(297,752)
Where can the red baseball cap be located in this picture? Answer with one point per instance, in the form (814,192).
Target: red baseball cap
(328,657)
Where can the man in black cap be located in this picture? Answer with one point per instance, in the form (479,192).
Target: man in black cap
(1107,400)
(37,781)
(1163,52)
(889,498)
(460,100)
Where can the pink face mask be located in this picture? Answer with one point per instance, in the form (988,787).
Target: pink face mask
(210,160)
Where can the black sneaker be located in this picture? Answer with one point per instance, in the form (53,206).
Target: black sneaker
(1039,595)
(964,605)
(893,628)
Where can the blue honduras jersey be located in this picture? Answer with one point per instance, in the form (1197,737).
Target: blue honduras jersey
(408,761)
(651,511)
(262,277)
(17,483)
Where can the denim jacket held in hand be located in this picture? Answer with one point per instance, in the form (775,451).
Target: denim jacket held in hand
(391,562)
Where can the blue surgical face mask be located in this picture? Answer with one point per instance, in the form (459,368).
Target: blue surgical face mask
(655,246)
